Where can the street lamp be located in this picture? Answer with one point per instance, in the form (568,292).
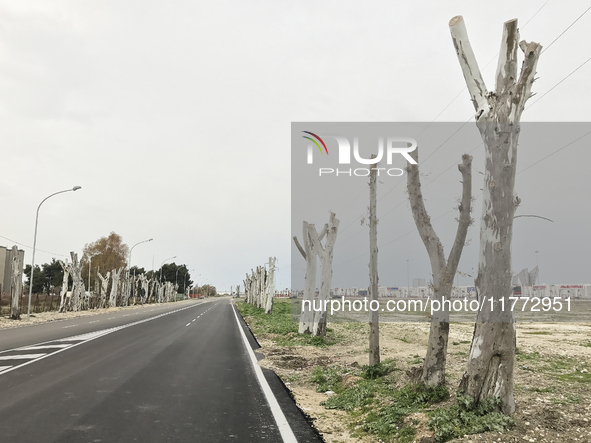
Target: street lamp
(75,188)
(131,250)
(129,259)
(89,262)
(538,268)
(163,265)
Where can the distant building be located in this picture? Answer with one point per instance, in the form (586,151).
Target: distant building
(6,256)
(418,282)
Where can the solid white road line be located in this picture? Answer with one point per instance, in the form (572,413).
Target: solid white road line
(20,357)
(35,348)
(284,428)
(2,368)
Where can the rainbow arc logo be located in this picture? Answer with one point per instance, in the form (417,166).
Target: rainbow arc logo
(315,142)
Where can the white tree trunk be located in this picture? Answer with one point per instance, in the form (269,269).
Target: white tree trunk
(115,276)
(374,316)
(104,287)
(270,285)
(15,284)
(498,113)
(77,300)
(64,301)
(306,325)
(325,254)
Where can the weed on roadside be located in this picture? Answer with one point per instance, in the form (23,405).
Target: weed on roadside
(465,419)
(279,325)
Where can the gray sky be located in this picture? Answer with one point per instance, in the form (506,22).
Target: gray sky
(174,117)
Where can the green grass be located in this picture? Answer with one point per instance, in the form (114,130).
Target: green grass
(280,326)
(524,356)
(576,377)
(538,333)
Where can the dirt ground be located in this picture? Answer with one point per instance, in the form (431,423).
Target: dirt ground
(552,379)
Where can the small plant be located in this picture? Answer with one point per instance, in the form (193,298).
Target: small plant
(362,394)
(464,418)
(416,360)
(327,379)
(371,372)
(386,422)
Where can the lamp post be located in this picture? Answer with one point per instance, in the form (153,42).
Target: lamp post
(538,267)
(131,250)
(129,259)
(75,188)
(408,278)
(163,265)
(89,263)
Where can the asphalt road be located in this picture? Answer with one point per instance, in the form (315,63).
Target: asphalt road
(179,373)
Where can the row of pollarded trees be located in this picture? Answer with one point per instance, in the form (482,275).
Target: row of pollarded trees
(117,288)
(489,371)
(259,286)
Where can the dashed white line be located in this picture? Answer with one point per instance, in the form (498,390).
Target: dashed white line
(71,326)
(188,324)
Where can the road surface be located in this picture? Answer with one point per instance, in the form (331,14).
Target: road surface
(179,372)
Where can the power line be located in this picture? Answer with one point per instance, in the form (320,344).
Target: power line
(576,69)
(563,32)
(30,247)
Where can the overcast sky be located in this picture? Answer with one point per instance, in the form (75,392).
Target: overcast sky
(174,117)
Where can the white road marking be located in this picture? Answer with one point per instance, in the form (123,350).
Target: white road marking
(71,326)
(35,348)
(96,321)
(188,324)
(284,428)
(80,339)
(20,357)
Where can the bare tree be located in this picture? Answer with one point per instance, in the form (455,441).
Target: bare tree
(15,284)
(325,254)
(76,299)
(307,315)
(104,287)
(115,276)
(64,299)
(374,316)
(270,285)
(433,371)
(498,113)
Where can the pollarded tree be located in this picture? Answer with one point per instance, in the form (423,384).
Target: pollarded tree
(498,113)
(433,371)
